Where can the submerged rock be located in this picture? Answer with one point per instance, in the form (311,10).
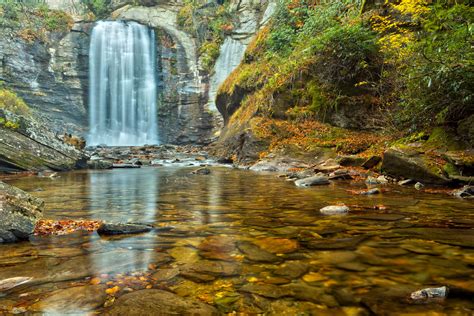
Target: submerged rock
(277,245)
(158,302)
(19,212)
(371,192)
(255,253)
(77,299)
(334,210)
(311,181)
(123,228)
(430,293)
(202,171)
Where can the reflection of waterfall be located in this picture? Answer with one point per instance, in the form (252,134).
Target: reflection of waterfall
(124,196)
(122,87)
(231,53)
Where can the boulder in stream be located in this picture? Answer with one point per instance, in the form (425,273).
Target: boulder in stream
(123,228)
(311,181)
(334,210)
(19,212)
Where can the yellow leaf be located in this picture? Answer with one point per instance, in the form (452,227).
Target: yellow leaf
(95,281)
(112,290)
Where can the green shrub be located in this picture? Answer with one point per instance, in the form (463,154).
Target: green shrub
(11,102)
(347,56)
(440,72)
(98,7)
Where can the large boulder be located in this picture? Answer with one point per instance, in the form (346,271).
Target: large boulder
(158,302)
(410,163)
(19,212)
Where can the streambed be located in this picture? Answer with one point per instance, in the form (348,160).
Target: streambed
(241,241)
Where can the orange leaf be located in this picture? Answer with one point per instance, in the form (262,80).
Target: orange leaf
(112,290)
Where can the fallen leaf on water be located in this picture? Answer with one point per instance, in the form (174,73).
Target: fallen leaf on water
(95,281)
(113,290)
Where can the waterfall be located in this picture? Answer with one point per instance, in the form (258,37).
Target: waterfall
(230,56)
(122,84)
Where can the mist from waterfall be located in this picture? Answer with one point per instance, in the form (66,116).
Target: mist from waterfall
(122,84)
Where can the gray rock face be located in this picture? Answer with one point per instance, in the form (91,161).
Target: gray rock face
(311,181)
(158,302)
(51,78)
(19,212)
(33,147)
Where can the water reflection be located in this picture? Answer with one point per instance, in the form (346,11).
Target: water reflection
(124,196)
(231,219)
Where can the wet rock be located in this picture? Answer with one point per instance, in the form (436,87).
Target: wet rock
(370,192)
(381,217)
(184,254)
(10,283)
(313,294)
(99,164)
(341,243)
(352,266)
(158,302)
(19,212)
(266,290)
(312,181)
(419,185)
(410,163)
(457,237)
(340,175)
(277,245)
(255,253)
(291,269)
(430,294)
(202,171)
(165,274)
(125,166)
(378,180)
(77,299)
(226,303)
(351,161)
(225,161)
(197,277)
(406,182)
(327,166)
(217,247)
(334,210)
(465,192)
(212,267)
(123,228)
(263,222)
(371,162)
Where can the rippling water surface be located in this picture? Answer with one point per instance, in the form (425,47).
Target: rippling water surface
(243,241)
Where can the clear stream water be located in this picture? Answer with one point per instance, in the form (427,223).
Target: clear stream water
(290,259)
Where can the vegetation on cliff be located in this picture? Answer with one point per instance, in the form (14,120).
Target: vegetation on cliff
(398,68)
(208,22)
(33,21)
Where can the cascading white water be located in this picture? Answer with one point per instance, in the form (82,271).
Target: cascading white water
(231,54)
(122,85)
